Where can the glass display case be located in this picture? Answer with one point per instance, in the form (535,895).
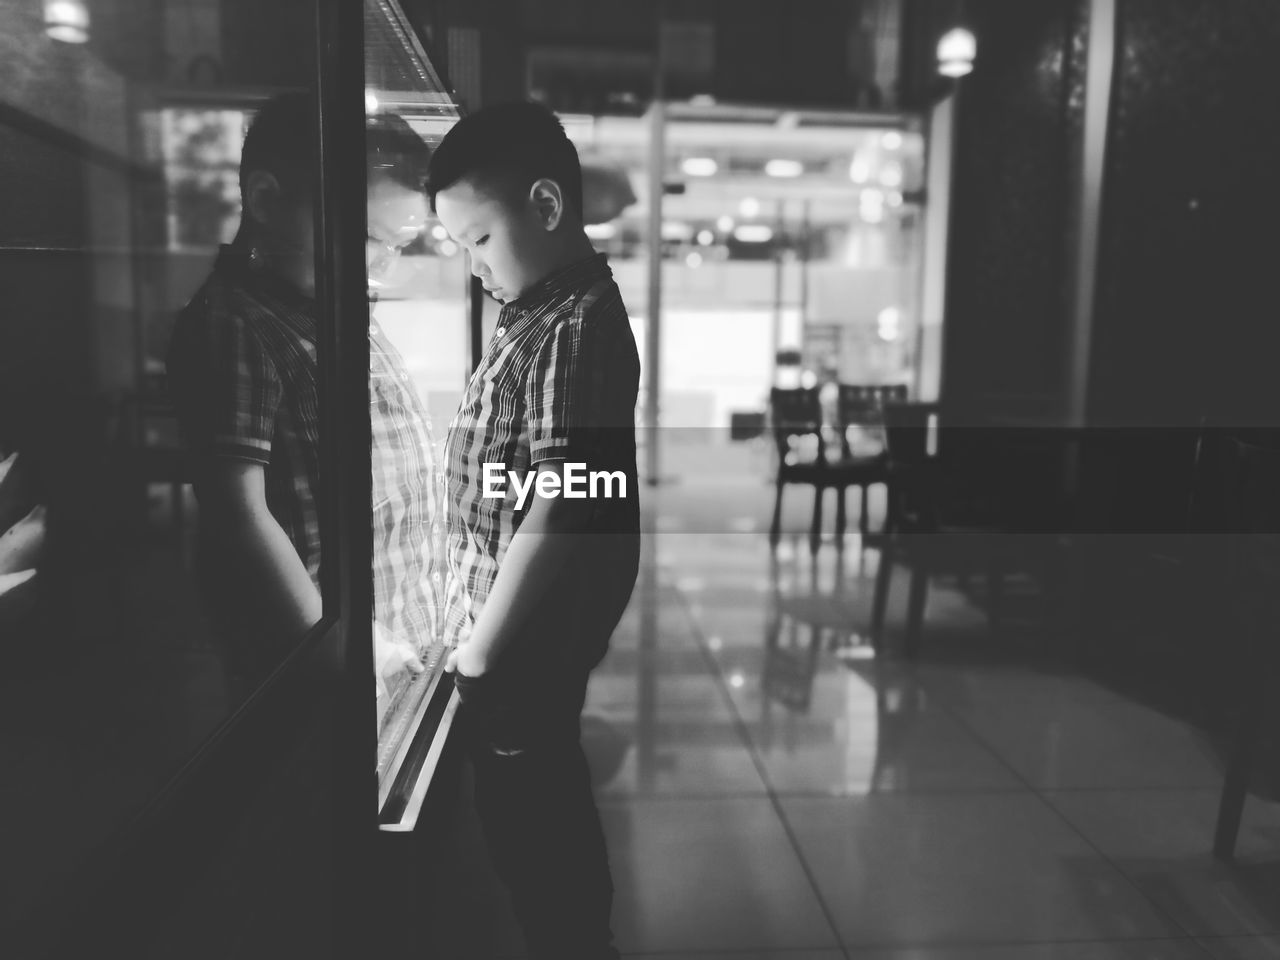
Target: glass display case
(168,792)
(418,367)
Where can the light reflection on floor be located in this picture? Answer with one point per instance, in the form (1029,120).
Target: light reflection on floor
(772,788)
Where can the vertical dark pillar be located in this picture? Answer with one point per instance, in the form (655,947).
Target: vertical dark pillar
(1017,136)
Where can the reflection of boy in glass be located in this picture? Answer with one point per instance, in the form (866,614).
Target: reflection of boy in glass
(243,375)
(537,590)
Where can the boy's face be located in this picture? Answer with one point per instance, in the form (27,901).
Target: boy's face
(505,236)
(396,215)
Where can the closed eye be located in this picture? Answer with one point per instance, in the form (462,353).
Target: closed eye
(482,241)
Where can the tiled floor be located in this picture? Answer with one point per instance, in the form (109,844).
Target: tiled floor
(770,789)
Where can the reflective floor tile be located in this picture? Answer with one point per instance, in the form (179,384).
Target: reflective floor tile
(1162,840)
(962,686)
(680,680)
(1102,744)
(665,734)
(860,733)
(708,875)
(683,772)
(1243,948)
(1098,950)
(963,868)
(665,627)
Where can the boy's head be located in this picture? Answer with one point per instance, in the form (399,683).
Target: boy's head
(396,163)
(277,181)
(507,185)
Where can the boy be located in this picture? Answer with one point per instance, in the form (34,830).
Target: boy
(538,581)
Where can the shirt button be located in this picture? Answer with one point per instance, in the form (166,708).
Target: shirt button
(500,331)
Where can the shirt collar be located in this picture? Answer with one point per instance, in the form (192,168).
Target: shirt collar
(564,281)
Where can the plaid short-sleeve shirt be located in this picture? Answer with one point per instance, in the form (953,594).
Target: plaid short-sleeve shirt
(558,381)
(243,376)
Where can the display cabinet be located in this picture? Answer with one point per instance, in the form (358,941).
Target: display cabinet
(161,810)
(418,313)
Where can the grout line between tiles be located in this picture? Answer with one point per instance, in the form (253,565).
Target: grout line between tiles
(695,954)
(929,945)
(851,952)
(745,734)
(1043,797)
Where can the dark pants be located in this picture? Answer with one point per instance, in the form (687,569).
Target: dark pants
(535,805)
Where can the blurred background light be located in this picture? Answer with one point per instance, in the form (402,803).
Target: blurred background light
(67,20)
(871,205)
(956,52)
(860,169)
(699,167)
(889,324)
(676,230)
(753,233)
(784,168)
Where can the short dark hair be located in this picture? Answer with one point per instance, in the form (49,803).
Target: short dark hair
(282,141)
(394,151)
(516,143)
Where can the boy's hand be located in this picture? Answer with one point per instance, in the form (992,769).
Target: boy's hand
(390,657)
(467,660)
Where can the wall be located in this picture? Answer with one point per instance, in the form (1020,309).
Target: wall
(1184,320)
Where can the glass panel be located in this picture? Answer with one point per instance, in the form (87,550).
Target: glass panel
(792,234)
(418,368)
(127,639)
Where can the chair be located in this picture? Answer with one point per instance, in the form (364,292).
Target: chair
(795,416)
(1252,488)
(861,408)
(948,512)
(798,428)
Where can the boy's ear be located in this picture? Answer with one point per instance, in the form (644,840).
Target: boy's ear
(548,201)
(261,195)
